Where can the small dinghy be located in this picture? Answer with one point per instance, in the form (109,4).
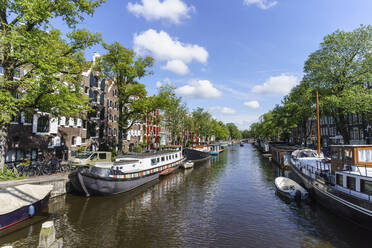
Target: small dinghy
(21,202)
(188,165)
(289,188)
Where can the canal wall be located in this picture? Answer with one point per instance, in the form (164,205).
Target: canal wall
(59,182)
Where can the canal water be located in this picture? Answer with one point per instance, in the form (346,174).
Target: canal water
(227,201)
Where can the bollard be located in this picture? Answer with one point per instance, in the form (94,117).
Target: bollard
(47,238)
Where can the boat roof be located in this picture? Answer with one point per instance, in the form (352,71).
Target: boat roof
(351,146)
(13,198)
(284,147)
(147,154)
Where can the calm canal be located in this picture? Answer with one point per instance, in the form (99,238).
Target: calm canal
(228,201)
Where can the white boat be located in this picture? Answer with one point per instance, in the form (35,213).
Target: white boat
(289,188)
(126,173)
(188,165)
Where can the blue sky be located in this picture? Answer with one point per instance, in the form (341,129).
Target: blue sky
(235,58)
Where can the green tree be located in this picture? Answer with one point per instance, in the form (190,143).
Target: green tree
(175,112)
(219,130)
(29,41)
(202,123)
(341,70)
(299,106)
(234,131)
(123,67)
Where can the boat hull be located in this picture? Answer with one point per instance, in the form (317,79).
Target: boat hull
(23,213)
(195,155)
(88,184)
(322,193)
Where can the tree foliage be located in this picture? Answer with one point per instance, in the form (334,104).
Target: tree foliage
(341,70)
(123,67)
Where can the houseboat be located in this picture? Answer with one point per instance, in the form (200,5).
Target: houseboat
(21,202)
(126,173)
(197,153)
(342,184)
(281,154)
(216,149)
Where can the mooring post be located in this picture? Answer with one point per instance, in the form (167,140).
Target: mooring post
(47,238)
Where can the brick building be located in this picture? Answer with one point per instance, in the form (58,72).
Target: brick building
(37,135)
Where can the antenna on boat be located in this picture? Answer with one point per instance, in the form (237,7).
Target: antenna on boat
(317,117)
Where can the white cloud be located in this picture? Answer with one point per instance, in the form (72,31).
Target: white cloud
(165,48)
(199,89)
(165,82)
(262,4)
(223,110)
(252,104)
(278,85)
(172,10)
(176,66)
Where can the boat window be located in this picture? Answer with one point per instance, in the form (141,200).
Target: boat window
(102,156)
(153,161)
(162,159)
(366,186)
(348,156)
(157,160)
(365,155)
(94,156)
(350,182)
(176,155)
(340,180)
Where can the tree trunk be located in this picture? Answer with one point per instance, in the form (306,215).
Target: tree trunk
(3,138)
(120,138)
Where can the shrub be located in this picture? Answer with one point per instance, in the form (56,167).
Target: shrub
(138,149)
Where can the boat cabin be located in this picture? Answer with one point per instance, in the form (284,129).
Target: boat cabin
(281,154)
(352,167)
(216,148)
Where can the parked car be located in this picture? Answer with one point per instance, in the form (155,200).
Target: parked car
(90,158)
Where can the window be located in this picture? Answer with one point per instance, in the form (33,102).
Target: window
(162,159)
(350,183)
(102,99)
(83,140)
(153,161)
(366,186)
(103,84)
(348,156)
(157,160)
(73,140)
(94,156)
(50,141)
(102,156)
(340,180)
(176,155)
(43,124)
(365,155)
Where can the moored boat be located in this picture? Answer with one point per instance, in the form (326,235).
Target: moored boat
(343,184)
(126,173)
(290,189)
(197,153)
(21,202)
(215,149)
